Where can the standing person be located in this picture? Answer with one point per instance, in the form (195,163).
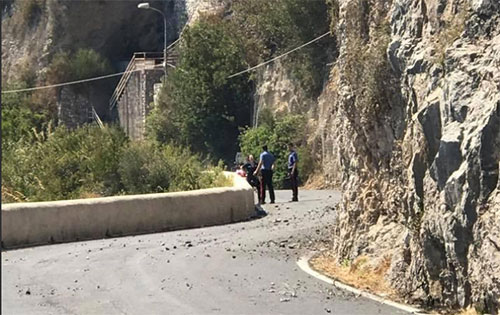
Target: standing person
(293,171)
(250,167)
(266,167)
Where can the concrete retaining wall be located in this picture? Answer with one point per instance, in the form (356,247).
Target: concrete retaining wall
(37,223)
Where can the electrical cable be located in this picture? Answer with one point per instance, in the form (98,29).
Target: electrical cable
(278,57)
(70,82)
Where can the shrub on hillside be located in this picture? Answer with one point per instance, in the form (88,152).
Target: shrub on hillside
(142,169)
(83,64)
(366,66)
(64,164)
(274,27)
(20,117)
(147,167)
(91,162)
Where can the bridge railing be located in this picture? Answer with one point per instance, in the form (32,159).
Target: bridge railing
(157,59)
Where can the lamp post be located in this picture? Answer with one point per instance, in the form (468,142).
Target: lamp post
(145,5)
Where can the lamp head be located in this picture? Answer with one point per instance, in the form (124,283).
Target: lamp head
(143,5)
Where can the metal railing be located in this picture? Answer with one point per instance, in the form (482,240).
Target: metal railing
(156,57)
(97,119)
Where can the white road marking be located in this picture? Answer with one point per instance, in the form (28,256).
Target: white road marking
(303,263)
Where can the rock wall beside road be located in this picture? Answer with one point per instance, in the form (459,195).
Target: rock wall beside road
(417,148)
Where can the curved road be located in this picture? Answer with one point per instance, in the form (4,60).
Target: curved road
(243,268)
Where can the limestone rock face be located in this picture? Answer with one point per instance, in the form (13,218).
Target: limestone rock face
(116,29)
(420,175)
(277,91)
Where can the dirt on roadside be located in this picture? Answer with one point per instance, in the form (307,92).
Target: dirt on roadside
(360,273)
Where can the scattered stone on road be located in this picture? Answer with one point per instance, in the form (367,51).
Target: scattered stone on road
(263,279)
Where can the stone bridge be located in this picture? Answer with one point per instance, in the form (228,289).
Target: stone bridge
(133,97)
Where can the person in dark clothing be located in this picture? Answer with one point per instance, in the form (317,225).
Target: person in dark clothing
(293,172)
(266,167)
(250,166)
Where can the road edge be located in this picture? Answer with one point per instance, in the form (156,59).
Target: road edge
(303,264)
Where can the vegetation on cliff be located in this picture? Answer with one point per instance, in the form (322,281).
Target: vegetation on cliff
(199,102)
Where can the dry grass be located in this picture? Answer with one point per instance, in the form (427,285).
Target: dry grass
(358,273)
(315,181)
(468,311)
(10,196)
(361,274)
(89,194)
(454,26)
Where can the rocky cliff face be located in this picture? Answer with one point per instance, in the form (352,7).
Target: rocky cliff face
(116,29)
(415,142)
(33,31)
(409,128)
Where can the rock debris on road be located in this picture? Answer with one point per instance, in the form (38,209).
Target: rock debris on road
(242,268)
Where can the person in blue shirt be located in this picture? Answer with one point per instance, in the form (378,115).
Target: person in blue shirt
(266,167)
(293,172)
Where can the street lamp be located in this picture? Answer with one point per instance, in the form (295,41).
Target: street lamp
(145,5)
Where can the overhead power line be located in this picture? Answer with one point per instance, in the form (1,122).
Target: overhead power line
(69,83)
(104,76)
(278,57)
(121,73)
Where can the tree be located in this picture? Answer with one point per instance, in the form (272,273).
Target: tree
(199,101)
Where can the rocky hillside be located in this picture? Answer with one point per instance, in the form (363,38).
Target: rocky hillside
(408,125)
(416,139)
(34,32)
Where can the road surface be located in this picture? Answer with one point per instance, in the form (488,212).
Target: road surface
(242,268)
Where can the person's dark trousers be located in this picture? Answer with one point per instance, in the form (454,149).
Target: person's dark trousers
(254,182)
(267,181)
(295,184)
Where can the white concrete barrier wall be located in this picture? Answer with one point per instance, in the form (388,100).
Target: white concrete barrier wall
(37,223)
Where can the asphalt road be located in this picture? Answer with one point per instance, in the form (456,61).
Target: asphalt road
(243,268)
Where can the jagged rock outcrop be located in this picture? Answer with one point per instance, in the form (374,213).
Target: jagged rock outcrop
(277,91)
(408,126)
(420,173)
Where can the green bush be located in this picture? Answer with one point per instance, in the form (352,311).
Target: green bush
(151,167)
(214,177)
(91,162)
(142,169)
(21,117)
(286,129)
(83,64)
(64,164)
